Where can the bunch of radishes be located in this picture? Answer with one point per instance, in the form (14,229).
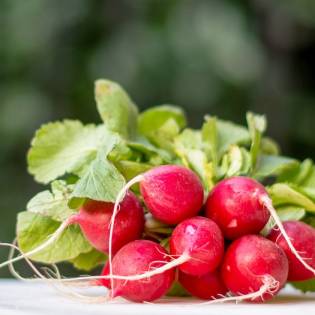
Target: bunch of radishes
(215,249)
(199,216)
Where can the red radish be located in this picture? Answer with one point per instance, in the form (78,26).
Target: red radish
(254,268)
(94,219)
(209,286)
(197,243)
(241,205)
(202,240)
(137,258)
(303,239)
(235,205)
(172,193)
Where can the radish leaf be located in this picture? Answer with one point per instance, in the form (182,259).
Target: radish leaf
(116,109)
(34,229)
(65,147)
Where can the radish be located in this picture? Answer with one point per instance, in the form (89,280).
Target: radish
(302,237)
(134,259)
(208,286)
(240,206)
(254,268)
(235,205)
(172,193)
(94,219)
(202,240)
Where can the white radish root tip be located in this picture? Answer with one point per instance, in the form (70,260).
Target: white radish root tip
(50,278)
(170,265)
(270,286)
(266,201)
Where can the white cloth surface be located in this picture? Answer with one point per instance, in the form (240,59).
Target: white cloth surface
(25,298)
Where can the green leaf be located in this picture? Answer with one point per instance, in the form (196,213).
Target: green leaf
(300,174)
(307,174)
(230,133)
(268,165)
(65,147)
(116,108)
(88,261)
(235,160)
(188,146)
(150,152)
(292,213)
(164,136)
(269,146)
(189,139)
(52,203)
(130,169)
(283,194)
(177,290)
(102,182)
(257,126)
(34,229)
(154,118)
(210,139)
(305,286)
(246,164)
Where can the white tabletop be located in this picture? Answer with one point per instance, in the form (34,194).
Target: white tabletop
(20,298)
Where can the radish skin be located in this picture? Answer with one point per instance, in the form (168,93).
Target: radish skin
(172,193)
(250,263)
(202,239)
(129,226)
(302,237)
(136,258)
(206,287)
(235,205)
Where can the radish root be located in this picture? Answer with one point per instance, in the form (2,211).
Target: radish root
(267,202)
(38,249)
(270,286)
(172,264)
(119,199)
(48,278)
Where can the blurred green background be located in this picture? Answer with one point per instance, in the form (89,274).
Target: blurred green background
(221,57)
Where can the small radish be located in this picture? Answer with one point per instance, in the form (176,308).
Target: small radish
(240,206)
(209,286)
(254,268)
(172,193)
(202,240)
(303,239)
(94,219)
(134,259)
(235,205)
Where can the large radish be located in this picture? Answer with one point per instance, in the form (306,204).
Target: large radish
(254,268)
